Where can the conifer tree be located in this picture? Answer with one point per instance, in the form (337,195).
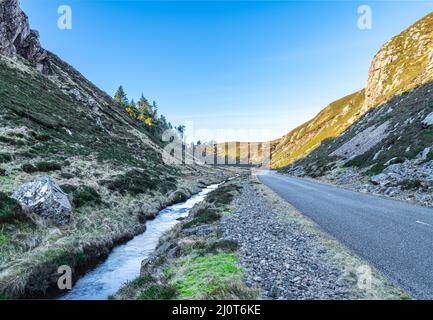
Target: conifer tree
(120,97)
(131,109)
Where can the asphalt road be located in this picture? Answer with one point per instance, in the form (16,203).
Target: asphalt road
(393,236)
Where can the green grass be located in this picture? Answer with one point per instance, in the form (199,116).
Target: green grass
(195,277)
(4,240)
(226,212)
(57,257)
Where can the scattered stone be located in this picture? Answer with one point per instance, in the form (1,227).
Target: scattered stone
(279,255)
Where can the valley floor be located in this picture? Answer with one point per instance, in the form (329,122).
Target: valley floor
(33,251)
(258,246)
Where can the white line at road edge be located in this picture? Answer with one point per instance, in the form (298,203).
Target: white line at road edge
(423,223)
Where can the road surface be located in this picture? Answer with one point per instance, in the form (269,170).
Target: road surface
(393,236)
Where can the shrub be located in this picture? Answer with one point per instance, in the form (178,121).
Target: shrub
(5,157)
(85,196)
(82,195)
(203,216)
(10,209)
(14,142)
(375,170)
(42,166)
(410,184)
(158,292)
(223,246)
(133,182)
(66,175)
(68,188)
(223,196)
(142,281)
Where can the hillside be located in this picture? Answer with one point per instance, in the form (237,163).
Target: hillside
(54,122)
(330,122)
(402,64)
(389,150)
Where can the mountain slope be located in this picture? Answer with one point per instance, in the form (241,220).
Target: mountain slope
(329,123)
(402,64)
(55,122)
(389,151)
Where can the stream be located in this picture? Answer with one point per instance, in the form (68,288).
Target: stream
(124,262)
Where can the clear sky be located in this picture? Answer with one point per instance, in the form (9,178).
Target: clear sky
(264,66)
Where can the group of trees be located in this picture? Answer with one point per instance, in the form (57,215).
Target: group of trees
(142,110)
(146,113)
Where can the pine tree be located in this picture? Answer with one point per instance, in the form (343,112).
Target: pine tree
(120,97)
(143,108)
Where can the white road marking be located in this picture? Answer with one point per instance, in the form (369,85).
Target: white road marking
(423,223)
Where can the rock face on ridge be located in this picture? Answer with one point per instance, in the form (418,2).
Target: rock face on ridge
(16,37)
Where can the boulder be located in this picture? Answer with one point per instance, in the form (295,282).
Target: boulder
(16,37)
(428,121)
(44,198)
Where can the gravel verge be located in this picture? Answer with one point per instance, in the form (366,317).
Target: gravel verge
(289,257)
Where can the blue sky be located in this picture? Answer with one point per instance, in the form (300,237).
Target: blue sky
(263,66)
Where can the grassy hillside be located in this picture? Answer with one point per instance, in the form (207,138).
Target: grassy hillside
(329,123)
(402,64)
(111,169)
(405,137)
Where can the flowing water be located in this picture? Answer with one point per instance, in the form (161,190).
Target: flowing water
(124,262)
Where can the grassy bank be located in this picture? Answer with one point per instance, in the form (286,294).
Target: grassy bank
(193,261)
(31,252)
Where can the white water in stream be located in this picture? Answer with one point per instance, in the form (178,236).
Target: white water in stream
(124,262)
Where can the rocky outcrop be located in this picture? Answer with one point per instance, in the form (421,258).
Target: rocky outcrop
(428,121)
(403,63)
(44,198)
(16,37)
